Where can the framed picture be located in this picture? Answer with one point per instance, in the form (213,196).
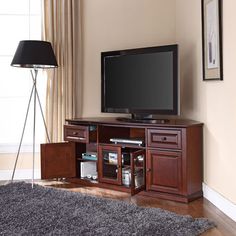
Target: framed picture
(212,40)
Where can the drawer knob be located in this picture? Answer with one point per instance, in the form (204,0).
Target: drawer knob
(148,170)
(163,139)
(75,133)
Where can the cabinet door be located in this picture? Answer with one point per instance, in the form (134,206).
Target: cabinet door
(58,160)
(164,171)
(109,162)
(137,162)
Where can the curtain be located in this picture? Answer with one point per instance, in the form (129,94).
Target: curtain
(62,27)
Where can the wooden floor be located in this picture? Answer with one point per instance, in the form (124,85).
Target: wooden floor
(197,208)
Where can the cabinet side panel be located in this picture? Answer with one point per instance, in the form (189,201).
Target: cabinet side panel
(194,160)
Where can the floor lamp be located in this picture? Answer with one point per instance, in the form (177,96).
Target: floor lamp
(35,55)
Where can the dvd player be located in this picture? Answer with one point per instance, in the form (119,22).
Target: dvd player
(127,141)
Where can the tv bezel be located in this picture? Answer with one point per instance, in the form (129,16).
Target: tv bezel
(145,112)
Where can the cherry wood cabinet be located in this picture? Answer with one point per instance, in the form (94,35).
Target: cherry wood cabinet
(168,164)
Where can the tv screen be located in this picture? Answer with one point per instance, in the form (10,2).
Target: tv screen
(140,81)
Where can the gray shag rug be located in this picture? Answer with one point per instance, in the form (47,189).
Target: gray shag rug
(50,211)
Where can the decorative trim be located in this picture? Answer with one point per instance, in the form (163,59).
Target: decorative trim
(226,206)
(20,174)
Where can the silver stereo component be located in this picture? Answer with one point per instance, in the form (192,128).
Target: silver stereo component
(127,141)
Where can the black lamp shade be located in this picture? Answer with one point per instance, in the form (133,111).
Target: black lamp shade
(34,54)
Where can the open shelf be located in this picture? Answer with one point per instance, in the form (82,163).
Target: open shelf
(90,180)
(81,159)
(125,145)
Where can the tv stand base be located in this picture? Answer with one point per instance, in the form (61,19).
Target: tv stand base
(173,197)
(167,164)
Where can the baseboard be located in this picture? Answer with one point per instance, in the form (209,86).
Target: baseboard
(20,174)
(220,202)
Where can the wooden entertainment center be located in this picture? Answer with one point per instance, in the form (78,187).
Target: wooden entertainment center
(156,159)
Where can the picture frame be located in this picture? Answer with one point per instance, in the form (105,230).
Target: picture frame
(212,40)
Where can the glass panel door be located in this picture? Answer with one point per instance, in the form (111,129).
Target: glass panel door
(110,164)
(137,171)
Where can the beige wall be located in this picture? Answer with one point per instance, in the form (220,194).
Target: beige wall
(23,168)
(119,24)
(25,160)
(214,102)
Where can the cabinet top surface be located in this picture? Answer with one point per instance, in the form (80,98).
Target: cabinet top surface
(113,121)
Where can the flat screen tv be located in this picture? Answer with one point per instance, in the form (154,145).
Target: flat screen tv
(142,81)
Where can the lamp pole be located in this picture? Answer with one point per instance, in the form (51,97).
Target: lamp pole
(34,91)
(34,85)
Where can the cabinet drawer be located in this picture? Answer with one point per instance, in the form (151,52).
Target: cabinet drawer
(76,133)
(164,138)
